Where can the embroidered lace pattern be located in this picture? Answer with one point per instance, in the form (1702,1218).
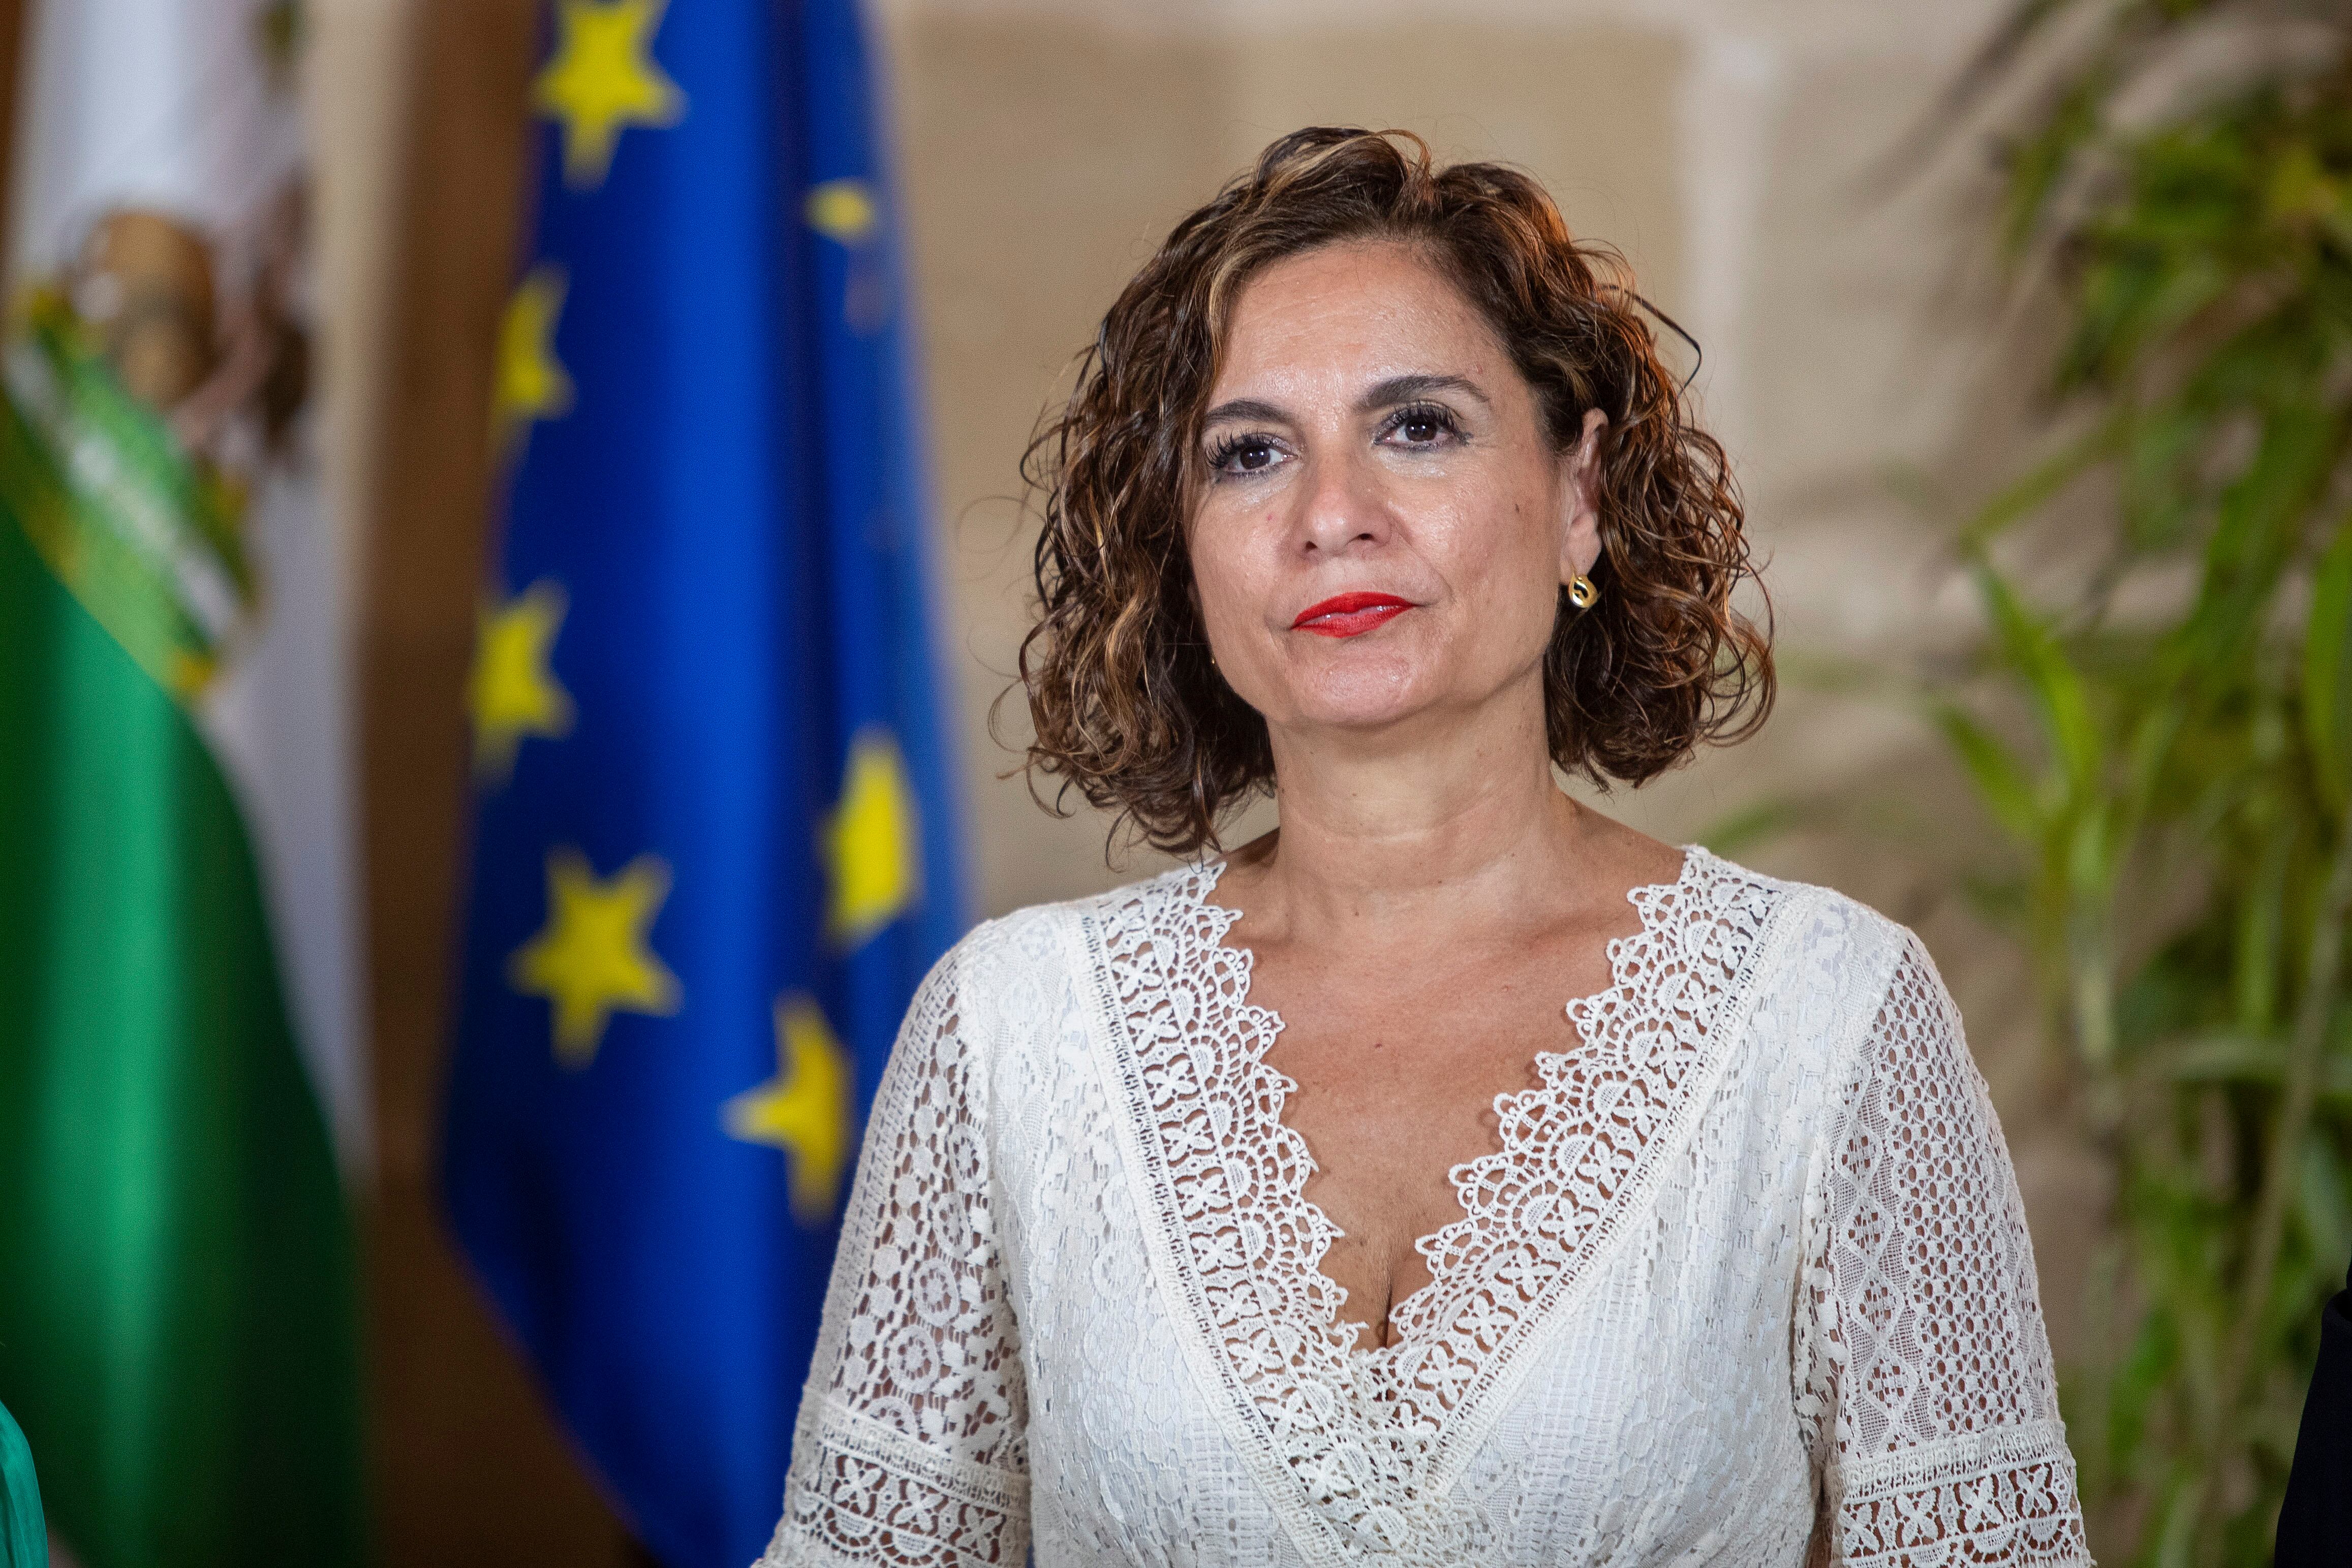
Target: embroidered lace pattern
(1926,1326)
(1361,1430)
(1573,1147)
(909,1452)
(1918,1400)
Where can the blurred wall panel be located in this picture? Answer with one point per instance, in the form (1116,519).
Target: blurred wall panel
(470,1470)
(12,36)
(356,93)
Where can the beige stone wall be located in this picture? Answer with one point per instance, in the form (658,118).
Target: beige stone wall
(1857,352)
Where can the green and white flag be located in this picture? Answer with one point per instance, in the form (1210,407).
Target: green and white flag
(180,1074)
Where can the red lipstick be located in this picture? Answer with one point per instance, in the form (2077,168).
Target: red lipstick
(1350,614)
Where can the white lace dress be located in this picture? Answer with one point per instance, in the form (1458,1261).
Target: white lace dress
(1749,1264)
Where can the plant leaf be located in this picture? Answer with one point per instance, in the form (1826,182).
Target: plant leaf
(2029,493)
(2059,699)
(2261,930)
(1999,774)
(2327,1216)
(2254,536)
(2327,672)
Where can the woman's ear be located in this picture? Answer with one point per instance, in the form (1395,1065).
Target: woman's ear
(1580,498)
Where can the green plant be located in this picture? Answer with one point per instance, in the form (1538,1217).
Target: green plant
(2171,742)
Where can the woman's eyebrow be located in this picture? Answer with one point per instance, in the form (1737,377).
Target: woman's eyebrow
(1245,408)
(1384,394)
(1405,389)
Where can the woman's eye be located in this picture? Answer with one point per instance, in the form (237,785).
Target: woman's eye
(1422,426)
(1245,455)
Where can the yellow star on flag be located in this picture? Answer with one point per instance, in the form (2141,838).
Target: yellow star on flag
(530,383)
(843,210)
(591,960)
(510,691)
(601,79)
(847,212)
(803,1110)
(869,843)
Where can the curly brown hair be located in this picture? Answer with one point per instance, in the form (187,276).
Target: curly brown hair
(1127,706)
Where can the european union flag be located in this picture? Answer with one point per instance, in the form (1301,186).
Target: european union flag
(713,850)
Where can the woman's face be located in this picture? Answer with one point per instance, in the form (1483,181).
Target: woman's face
(1384,523)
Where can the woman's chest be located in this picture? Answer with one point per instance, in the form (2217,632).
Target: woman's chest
(1396,1086)
(1396,1057)
(1175,1399)
(1610,1311)
(1605,1377)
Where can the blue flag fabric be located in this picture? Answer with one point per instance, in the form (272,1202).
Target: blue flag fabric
(714,851)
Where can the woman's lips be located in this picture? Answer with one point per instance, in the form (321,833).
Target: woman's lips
(1350,614)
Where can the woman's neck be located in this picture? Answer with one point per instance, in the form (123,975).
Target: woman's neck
(1389,836)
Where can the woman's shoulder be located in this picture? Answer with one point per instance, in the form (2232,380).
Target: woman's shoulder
(1041,940)
(1814,927)
(1846,994)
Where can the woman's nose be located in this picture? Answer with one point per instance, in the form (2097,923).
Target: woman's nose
(1342,507)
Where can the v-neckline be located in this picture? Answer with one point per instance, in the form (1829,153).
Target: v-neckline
(1368,1441)
(1465,1177)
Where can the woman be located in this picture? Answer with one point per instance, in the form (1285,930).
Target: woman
(1274,1210)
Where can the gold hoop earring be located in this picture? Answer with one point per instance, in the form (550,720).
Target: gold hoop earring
(1582,591)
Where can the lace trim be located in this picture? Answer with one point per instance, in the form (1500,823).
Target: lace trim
(1536,1209)
(846,1431)
(1198,1176)
(1357,1426)
(2003,1496)
(869,1501)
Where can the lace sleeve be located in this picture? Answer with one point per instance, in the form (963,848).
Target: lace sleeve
(910,1448)
(1924,1368)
